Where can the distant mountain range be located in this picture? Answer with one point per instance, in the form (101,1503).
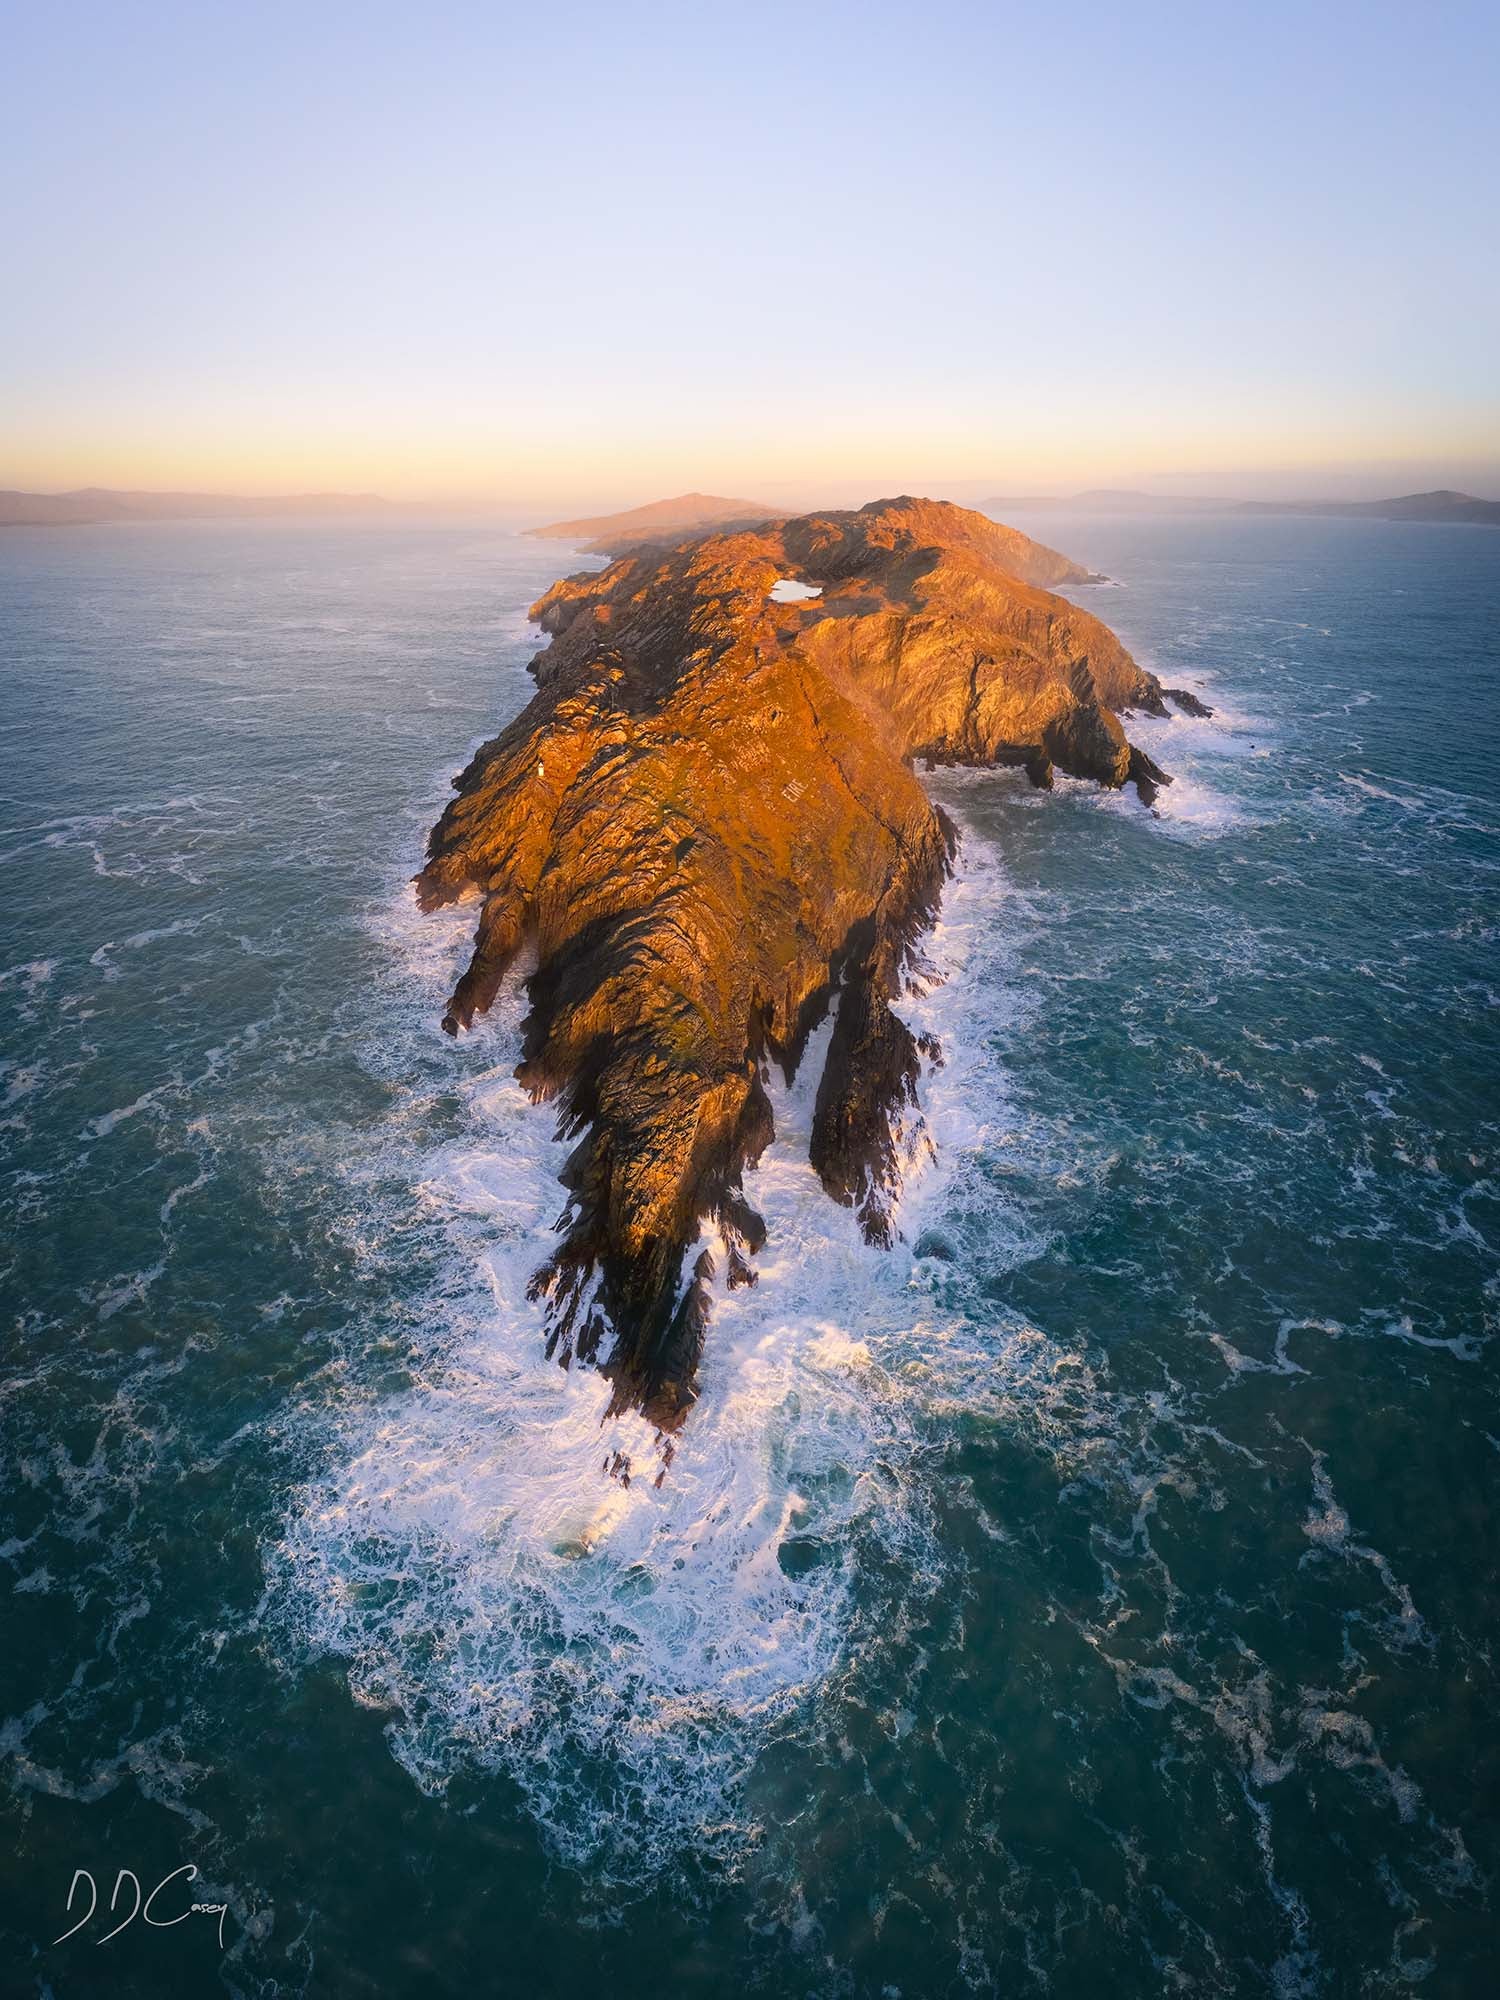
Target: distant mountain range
(1444,505)
(662,520)
(689,513)
(102,503)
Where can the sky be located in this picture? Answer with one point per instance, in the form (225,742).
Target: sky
(590,253)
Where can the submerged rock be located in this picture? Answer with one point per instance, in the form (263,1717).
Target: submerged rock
(705,826)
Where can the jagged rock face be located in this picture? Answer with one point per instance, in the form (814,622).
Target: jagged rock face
(704,824)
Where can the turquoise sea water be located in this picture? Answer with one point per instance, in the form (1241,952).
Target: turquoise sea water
(1095,1595)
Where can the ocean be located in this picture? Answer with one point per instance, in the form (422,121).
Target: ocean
(1095,1594)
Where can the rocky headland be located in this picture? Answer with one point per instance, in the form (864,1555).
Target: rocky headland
(93,505)
(659,521)
(1443,505)
(707,828)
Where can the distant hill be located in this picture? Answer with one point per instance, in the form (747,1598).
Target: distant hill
(1443,505)
(102,503)
(1108,500)
(661,520)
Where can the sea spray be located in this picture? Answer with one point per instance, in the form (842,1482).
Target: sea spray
(532,1587)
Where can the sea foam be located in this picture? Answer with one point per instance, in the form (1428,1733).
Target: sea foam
(531,1587)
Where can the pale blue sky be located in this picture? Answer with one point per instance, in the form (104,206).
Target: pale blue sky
(595,251)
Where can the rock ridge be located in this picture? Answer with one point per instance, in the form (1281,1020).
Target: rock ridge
(706,829)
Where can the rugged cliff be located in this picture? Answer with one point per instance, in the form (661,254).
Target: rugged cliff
(704,826)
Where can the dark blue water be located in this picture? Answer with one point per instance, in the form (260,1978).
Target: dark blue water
(1095,1595)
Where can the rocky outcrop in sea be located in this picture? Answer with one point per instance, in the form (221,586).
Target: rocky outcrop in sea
(706,829)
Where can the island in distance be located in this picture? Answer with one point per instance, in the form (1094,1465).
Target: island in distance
(706,830)
(91,505)
(659,520)
(1442,505)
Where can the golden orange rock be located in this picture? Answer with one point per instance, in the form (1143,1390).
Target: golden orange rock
(705,825)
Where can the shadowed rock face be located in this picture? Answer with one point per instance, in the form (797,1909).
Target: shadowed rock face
(705,825)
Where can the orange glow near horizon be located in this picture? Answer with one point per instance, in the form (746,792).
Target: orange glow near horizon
(502,464)
(564,256)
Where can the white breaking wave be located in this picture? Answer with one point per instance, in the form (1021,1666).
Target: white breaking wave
(1195,750)
(623,1648)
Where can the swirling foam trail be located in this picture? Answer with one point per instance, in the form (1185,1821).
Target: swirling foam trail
(623,1649)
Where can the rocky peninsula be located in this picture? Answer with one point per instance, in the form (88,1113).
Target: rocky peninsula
(660,521)
(706,829)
